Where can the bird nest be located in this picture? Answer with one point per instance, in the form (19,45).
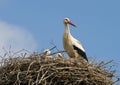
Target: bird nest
(42,70)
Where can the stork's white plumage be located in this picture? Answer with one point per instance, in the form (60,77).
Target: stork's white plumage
(47,53)
(71,45)
(59,55)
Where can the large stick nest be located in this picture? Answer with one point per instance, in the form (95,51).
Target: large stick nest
(41,70)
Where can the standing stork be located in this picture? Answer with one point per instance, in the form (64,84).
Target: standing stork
(71,45)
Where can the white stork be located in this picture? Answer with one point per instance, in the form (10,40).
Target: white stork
(47,53)
(59,55)
(71,45)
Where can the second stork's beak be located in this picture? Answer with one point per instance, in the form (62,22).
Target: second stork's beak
(71,23)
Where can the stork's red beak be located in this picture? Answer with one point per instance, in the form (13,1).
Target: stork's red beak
(71,23)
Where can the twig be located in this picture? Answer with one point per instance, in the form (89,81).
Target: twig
(37,78)
(118,79)
(49,76)
(52,48)
(103,64)
(21,51)
(37,82)
(18,80)
(58,52)
(30,66)
(42,77)
(29,82)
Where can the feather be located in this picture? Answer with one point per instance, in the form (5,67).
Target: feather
(80,52)
(77,43)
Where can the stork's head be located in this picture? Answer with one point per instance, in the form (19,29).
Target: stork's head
(47,52)
(67,21)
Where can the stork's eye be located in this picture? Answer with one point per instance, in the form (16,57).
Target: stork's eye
(66,20)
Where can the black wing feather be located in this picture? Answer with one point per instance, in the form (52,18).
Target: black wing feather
(80,52)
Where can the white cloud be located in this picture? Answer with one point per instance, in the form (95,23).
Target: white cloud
(16,38)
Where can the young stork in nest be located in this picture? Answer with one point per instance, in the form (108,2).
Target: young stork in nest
(71,45)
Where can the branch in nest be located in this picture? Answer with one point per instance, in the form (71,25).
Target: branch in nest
(104,63)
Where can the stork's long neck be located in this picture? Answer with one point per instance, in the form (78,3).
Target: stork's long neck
(67,30)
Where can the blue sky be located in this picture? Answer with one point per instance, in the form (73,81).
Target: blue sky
(98,24)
